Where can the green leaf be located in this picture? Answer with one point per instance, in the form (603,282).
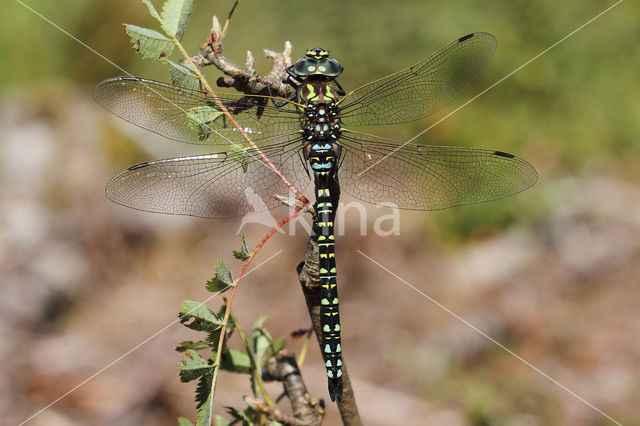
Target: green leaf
(184,422)
(236,361)
(214,337)
(149,43)
(201,118)
(203,319)
(193,366)
(273,349)
(239,415)
(222,281)
(188,344)
(175,15)
(260,338)
(204,397)
(203,390)
(259,322)
(243,253)
(182,75)
(240,154)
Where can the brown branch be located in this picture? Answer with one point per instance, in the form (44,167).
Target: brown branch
(284,368)
(245,79)
(308,276)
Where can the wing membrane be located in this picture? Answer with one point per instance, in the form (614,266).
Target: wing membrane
(191,116)
(422,89)
(418,177)
(214,185)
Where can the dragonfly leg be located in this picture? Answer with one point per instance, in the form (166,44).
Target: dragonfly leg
(291,81)
(341,91)
(284,102)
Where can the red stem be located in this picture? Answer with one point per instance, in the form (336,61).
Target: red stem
(241,274)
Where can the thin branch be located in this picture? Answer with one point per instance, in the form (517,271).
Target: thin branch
(254,365)
(305,346)
(227,312)
(244,79)
(233,9)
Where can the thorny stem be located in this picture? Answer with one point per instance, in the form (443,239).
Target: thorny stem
(254,365)
(227,312)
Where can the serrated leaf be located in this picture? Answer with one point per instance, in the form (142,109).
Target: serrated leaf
(240,415)
(201,317)
(236,361)
(222,281)
(204,397)
(182,421)
(203,390)
(243,253)
(175,15)
(149,43)
(240,154)
(182,75)
(188,344)
(200,119)
(193,366)
(213,338)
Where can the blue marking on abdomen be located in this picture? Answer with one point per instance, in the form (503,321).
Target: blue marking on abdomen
(321,166)
(325,147)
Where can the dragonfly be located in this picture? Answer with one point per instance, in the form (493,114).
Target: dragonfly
(309,137)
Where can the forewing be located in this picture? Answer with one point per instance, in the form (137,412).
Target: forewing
(419,177)
(422,89)
(192,116)
(214,185)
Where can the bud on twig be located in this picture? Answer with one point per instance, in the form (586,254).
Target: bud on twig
(251,63)
(216,32)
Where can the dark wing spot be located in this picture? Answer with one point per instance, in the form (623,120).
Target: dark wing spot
(466,37)
(503,154)
(138,166)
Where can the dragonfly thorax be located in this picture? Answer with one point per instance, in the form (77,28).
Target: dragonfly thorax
(322,122)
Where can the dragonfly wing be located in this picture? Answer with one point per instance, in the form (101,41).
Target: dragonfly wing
(419,177)
(213,186)
(422,89)
(192,116)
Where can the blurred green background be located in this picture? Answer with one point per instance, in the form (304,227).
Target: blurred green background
(550,273)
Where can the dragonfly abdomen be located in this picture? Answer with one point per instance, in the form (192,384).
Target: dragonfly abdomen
(326,203)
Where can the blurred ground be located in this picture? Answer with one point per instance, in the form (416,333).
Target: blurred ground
(551,273)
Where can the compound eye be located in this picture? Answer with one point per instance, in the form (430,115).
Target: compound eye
(312,68)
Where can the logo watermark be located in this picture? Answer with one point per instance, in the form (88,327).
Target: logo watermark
(381,220)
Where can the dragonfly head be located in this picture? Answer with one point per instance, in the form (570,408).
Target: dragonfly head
(317,62)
